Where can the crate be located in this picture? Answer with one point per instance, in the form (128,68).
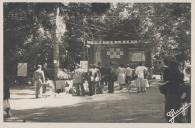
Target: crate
(60,85)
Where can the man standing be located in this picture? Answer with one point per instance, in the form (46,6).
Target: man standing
(39,79)
(78,81)
(94,80)
(90,80)
(129,73)
(112,78)
(140,72)
(98,79)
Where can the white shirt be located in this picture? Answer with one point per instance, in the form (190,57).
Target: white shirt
(95,74)
(129,71)
(139,71)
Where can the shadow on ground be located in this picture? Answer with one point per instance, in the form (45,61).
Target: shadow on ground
(120,107)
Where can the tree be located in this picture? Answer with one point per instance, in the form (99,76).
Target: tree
(173,26)
(29,33)
(29,29)
(78,31)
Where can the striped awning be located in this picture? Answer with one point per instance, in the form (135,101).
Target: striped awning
(112,42)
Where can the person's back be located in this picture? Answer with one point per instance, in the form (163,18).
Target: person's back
(140,71)
(97,74)
(173,89)
(78,76)
(129,71)
(118,70)
(39,79)
(39,76)
(173,76)
(92,70)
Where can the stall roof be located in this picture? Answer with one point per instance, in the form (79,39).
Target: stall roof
(113,42)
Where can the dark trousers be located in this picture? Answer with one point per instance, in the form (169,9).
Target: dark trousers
(80,89)
(111,86)
(98,88)
(38,90)
(91,88)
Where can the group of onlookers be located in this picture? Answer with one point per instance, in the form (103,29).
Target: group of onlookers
(174,89)
(125,75)
(93,77)
(97,77)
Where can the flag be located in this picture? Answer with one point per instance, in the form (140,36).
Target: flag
(60,26)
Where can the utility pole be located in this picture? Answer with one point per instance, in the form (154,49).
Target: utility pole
(56,48)
(84,39)
(84,46)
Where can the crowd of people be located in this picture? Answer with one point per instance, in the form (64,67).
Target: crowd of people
(98,77)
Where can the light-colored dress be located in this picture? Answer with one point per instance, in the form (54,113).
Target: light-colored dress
(121,75)
(140,81)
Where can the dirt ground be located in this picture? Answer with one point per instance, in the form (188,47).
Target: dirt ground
(122,106)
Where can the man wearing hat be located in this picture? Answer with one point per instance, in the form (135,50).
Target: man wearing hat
(78,81)
(39,79)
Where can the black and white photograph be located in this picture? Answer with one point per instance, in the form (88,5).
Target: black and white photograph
(93,62)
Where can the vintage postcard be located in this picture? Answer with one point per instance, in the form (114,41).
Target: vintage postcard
(96,63)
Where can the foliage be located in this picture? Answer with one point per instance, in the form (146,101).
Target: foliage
(29,29)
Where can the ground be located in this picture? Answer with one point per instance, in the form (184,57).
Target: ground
(120,107)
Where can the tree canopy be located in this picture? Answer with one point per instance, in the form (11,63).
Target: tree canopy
(29,29)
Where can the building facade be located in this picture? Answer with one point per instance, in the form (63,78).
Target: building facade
(119,52)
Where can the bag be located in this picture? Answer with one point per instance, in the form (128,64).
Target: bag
(73,91)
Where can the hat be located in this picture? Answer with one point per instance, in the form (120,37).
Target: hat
(39,66)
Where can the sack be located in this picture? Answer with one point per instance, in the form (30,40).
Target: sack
(73,91)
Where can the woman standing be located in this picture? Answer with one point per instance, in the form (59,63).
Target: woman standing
(121,76)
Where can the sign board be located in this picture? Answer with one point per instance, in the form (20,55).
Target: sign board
(84,65)
(22,69)
(115,53)
(137,56)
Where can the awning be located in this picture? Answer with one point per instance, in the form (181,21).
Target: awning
(112,42)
